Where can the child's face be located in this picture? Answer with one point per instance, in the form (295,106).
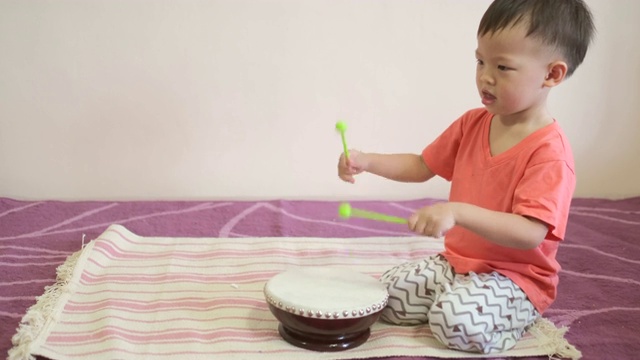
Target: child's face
(511,71)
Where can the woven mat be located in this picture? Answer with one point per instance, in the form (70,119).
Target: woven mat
(130,297)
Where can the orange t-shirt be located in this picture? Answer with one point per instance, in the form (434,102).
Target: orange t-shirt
(534,178)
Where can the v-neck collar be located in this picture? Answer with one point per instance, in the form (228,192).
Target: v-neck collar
(505,155)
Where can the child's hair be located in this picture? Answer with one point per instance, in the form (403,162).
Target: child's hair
(566,25)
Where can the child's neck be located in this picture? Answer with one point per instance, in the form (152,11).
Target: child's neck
(535,117)
(507,131)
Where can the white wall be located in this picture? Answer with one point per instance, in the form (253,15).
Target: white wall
(195,99)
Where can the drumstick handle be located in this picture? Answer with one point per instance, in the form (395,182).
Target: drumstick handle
(377,216)
(344,144)
(342,127)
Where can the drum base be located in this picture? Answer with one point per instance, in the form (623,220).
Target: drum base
(324,343)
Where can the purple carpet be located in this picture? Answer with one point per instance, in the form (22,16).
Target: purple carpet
(599,285)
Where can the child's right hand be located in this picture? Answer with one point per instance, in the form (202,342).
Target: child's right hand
(354,165)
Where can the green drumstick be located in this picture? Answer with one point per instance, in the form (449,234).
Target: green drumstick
(341,126)
(346,211)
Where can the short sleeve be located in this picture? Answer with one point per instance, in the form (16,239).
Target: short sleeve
(440,155)
(545,193)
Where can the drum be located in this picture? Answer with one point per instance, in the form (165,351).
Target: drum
(325,308)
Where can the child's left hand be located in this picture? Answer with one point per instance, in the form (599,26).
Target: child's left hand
(433,221)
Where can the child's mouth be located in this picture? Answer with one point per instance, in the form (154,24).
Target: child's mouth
(487,98)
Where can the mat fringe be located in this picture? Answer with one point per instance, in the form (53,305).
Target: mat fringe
(553,340)
(42,312)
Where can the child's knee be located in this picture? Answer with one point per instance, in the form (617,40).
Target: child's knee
(408,303)
(404,307)
(457,330)
(458,327)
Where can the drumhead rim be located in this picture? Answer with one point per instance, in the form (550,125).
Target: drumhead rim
(327,312)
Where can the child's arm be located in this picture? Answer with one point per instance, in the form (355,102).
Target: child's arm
(398,167)
(505,229)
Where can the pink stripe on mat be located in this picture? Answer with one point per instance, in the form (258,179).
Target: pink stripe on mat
(345,261)
(173,336)
(192,304)
(115,252)
(167,320)
(90,278)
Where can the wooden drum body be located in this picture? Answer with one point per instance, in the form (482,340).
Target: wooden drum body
(325,308)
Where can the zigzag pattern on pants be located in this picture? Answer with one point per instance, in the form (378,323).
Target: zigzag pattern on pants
(412,288)
(484,313)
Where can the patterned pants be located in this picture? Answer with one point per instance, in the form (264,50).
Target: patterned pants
(484,313)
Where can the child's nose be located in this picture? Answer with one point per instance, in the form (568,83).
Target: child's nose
(485,76)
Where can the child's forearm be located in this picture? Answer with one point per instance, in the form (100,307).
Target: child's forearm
(398,167)
(505,229)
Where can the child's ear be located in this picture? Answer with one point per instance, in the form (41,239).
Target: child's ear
(556,73)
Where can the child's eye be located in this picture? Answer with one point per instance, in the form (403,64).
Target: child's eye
(502,68)
(480,62)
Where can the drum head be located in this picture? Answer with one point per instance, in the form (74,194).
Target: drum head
(326,292)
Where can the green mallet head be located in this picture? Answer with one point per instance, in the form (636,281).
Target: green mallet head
(341,126)
(345,210)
